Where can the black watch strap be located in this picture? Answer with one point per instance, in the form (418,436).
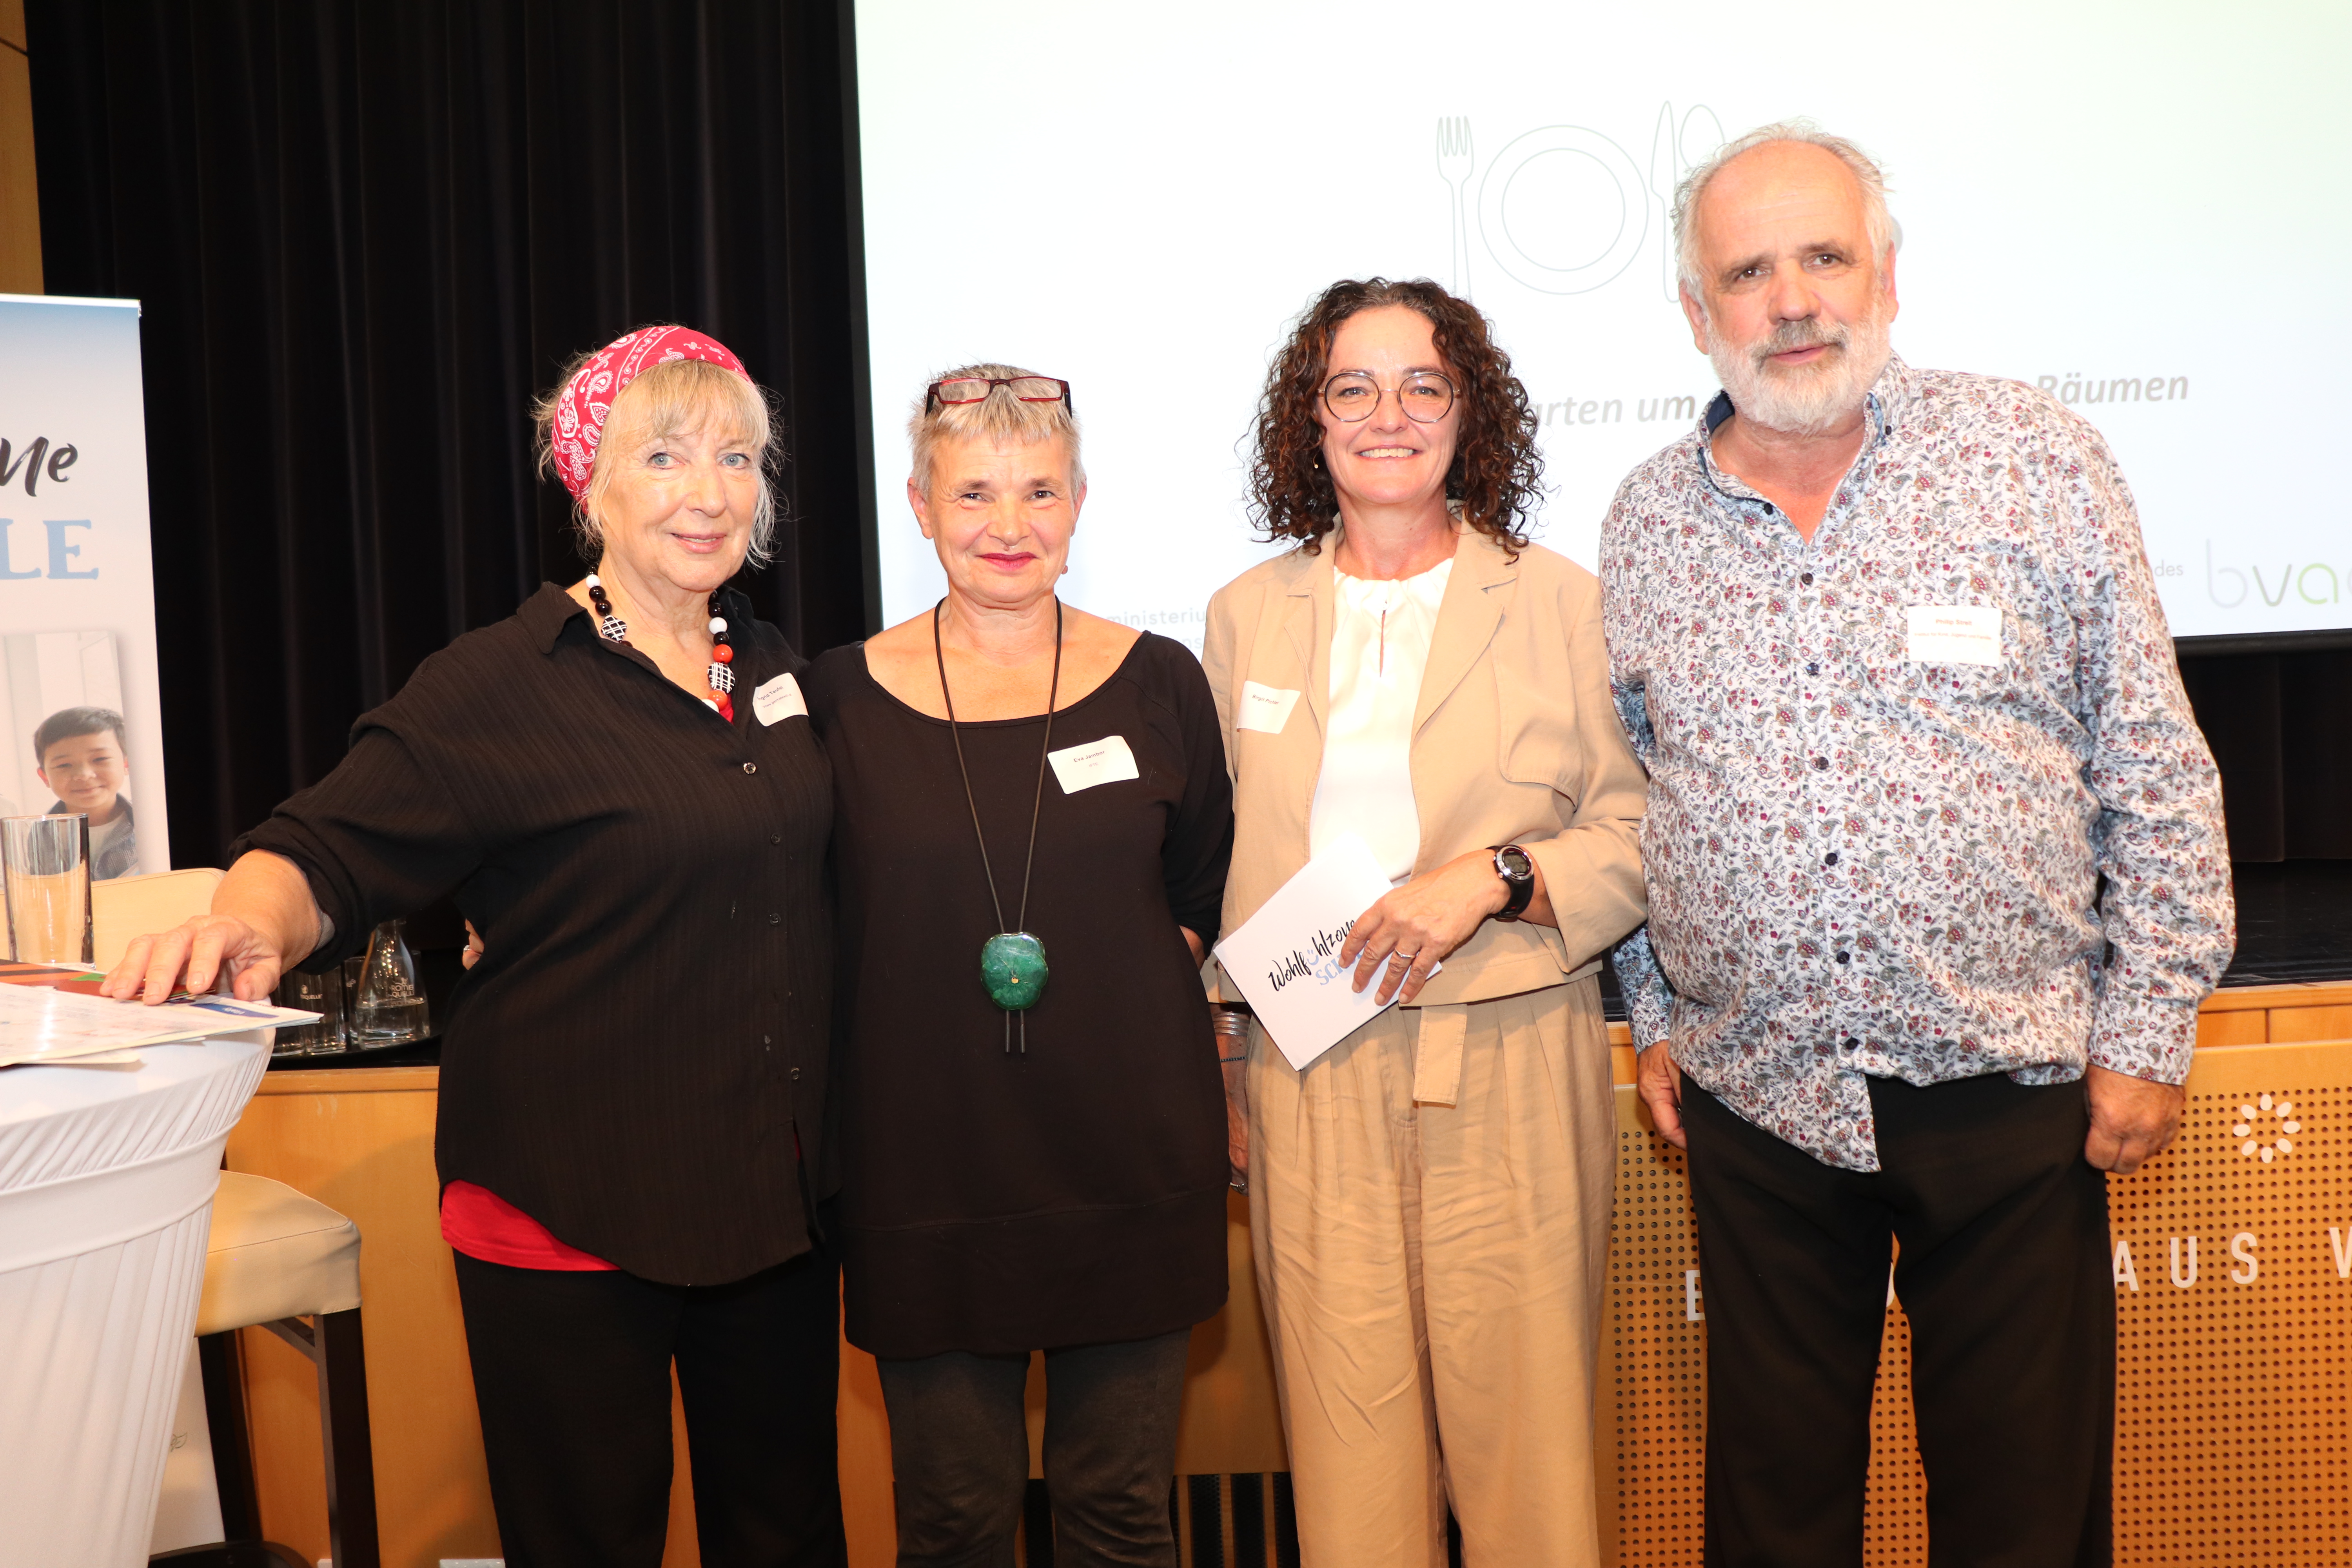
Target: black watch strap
(1521,882)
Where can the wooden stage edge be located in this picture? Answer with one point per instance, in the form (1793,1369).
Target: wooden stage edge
(2263,1322)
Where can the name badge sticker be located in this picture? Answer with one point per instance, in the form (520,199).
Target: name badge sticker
(1265,708)
(1953,634)
(1107,761)
(778,698)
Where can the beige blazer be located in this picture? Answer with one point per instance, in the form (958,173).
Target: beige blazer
(1515,741)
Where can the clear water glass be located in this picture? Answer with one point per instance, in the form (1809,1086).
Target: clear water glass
(319,993)
(45,863)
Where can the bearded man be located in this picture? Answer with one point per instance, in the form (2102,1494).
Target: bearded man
(1936,882)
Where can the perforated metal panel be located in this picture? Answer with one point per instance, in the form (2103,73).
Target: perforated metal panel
(1653,1463)
(1652,1378)
(1895,1519)
(2233,1436)
(2234,1443)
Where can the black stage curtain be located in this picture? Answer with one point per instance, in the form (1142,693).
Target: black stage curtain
(364,237)
(2281,727)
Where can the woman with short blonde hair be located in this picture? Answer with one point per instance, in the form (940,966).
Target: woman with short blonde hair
(616,787)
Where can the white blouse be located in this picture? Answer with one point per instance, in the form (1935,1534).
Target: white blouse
(1379,645)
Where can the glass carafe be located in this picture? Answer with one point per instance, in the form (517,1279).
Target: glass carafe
(388,1009)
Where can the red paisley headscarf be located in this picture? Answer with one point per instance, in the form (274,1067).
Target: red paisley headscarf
(588,397)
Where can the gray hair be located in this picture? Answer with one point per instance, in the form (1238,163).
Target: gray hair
(1878,224)
(1000,417)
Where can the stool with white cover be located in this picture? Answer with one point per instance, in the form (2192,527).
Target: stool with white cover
(276,1259)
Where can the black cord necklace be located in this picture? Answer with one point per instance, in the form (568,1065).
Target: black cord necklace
(1013,962)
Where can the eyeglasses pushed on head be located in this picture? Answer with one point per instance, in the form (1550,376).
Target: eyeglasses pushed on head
(976,388)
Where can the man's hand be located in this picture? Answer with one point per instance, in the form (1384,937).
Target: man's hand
(1660,1084)
(2131,1119)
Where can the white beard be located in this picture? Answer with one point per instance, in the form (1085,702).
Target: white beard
(1804,400)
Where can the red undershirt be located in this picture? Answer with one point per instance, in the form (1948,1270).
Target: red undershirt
(480,1223)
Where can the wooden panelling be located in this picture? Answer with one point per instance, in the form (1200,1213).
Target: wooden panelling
(2291,1023)
(2233,1424)
(366,1149)
(2239,998)
(2240,1027)
(20,204)
(2233,1432)
(864,1437)
(1232,1426)
(360,1140)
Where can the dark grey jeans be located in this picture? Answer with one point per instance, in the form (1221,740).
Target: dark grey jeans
(960,1454)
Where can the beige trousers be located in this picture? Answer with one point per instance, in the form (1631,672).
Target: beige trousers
(1432,1276)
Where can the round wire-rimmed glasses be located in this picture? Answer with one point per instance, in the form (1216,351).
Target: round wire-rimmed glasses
(976,388)
(1426,396)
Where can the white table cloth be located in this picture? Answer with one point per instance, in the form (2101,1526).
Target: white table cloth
(106,1189)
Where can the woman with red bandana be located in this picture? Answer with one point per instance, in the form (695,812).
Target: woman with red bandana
(619,788)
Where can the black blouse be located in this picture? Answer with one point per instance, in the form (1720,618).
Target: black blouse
(639,1061)
(1074,1194)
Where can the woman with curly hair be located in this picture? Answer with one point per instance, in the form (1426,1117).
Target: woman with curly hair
(1430,1199)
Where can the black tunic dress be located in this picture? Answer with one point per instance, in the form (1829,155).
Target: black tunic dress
(1074,1194)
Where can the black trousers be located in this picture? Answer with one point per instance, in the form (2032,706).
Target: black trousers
(571,1372)
(960,1453)
(2004,1273)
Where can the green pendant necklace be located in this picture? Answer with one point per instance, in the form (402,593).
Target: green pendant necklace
(1013,962)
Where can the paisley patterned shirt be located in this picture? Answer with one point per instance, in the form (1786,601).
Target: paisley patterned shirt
(1877,851)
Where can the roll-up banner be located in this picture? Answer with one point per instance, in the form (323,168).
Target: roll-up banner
(80,728)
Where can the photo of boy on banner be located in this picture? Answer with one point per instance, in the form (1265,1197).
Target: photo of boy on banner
(79,755)
(68,747)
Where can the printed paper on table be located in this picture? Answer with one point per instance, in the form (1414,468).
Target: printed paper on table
(45,1024)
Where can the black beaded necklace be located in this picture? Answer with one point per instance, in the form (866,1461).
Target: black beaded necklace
(612,629)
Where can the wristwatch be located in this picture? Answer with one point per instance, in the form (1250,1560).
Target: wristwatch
(1518,873)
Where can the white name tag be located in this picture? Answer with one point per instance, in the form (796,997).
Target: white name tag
(1102,761)
(778,698)
(1953,634)
(1265,708)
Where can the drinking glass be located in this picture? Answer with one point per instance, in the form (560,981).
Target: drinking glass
(45,861)
(388,1009)
(319,993)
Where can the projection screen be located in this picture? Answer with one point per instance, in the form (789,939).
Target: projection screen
(2137,206)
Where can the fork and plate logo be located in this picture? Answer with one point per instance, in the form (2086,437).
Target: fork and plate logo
(1577,251)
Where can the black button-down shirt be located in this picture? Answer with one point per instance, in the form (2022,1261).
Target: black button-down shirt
(639,1061)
